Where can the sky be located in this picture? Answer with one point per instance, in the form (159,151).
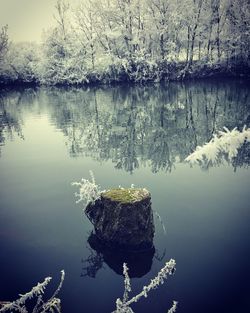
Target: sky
(27,18)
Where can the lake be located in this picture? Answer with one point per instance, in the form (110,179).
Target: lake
(141,135)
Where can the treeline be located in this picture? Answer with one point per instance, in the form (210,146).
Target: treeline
(133,40)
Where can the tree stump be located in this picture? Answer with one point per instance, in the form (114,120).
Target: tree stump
(123,218)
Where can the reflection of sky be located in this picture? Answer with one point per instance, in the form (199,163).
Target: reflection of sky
(27,18)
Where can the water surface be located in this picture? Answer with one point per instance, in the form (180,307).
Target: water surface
(50,137)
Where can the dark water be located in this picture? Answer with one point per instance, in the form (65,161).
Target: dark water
(141,135)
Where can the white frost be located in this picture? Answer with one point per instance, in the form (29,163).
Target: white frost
(224,145)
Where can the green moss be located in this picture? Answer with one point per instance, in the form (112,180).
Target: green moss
(126,195)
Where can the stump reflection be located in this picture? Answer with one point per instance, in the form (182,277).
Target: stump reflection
(139,262)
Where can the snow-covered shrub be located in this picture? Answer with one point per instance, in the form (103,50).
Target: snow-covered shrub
(53,304)
(89,191)
(20,63)
(116,70)
(223,146)
(123,306)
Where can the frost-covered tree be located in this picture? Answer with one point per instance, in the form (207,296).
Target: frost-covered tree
(23,59)
(140,40)
(56,46)
(4,44)
(238,26)
(87,21)
(161,12)
(4,41)
(62,62)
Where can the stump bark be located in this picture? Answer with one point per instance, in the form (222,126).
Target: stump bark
(123,218)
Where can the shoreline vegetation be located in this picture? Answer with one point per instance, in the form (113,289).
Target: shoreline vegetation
(196,71)
(133,41)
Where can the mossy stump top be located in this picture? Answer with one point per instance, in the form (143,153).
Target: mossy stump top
(126,195)
(123,218)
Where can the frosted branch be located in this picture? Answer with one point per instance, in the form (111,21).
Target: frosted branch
(51,305)
(124,306)
(224,145)
(127,285)
(89,191)
(173,308)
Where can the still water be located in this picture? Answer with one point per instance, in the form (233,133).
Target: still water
(50,137)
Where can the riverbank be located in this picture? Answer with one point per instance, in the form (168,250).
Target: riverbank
(135,73)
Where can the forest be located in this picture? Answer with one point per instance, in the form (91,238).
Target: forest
(109,41)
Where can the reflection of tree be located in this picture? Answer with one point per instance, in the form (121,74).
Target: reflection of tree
(243,157)
(10,118)
(159,154)
(153,125)
(127,154)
